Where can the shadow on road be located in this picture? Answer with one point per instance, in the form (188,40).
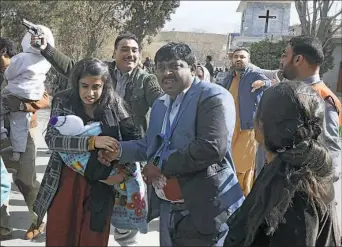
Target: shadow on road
(18,234)
(43,153)
(16,202)
(153,226)
(41,169)
(20,219)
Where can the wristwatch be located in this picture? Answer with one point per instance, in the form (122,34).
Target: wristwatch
(21,106)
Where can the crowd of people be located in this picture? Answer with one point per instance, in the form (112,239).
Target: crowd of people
(251,161)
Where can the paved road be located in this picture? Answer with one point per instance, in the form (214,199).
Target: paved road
(19,213)
(20,216)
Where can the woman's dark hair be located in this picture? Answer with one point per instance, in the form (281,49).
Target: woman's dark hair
(200,67)
(177,51)
(8,45)
(93,67)
(301,163)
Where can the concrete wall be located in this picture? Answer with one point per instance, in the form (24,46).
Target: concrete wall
(202,44)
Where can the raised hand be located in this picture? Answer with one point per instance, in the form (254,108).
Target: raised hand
(257,84)
(41,38)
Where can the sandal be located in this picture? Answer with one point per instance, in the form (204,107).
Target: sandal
(34,232)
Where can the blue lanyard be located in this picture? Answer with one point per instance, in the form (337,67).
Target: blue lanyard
(167,131)
(164,147)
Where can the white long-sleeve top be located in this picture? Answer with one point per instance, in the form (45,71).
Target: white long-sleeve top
(27,71)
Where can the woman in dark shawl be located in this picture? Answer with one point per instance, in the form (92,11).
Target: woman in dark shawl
(292,201)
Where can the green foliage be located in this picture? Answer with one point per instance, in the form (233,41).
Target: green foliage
(146,18)
(84,28)
(81,28)
(265,54)
(12,13)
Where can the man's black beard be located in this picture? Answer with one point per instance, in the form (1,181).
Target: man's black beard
(280,75)
(238,69)
(287,76)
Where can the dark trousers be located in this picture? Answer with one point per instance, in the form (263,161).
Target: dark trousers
(178,229)
(24,172)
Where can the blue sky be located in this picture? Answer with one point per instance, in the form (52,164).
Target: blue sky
(210,16)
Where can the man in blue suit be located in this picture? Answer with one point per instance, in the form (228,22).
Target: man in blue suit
(189,138)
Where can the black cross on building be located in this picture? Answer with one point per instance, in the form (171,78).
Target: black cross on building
(267,17)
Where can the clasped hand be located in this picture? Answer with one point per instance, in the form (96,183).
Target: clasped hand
(106,156)
(109,151)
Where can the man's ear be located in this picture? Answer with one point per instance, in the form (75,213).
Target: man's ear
(114,53)
(298,59)
(193,68)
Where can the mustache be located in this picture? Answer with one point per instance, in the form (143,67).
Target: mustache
(169,78)
(130,58)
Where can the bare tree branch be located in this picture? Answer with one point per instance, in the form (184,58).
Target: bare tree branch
(335,16)
(320,24)
(331,4)
(307,11)
(302,16)
(320,9)
(314,18)
(331,34)
(336,29)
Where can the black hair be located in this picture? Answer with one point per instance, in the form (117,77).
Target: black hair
(178,51)
(241,49)
(9,46)
(200,67)
(209,58)
(93,67)
(308,46)
(301,164)
(125,36)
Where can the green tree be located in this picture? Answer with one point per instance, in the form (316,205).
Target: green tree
(84,26)
(146,18)
(12,13)
(265,54)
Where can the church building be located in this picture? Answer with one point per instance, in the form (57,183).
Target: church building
(260,20)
